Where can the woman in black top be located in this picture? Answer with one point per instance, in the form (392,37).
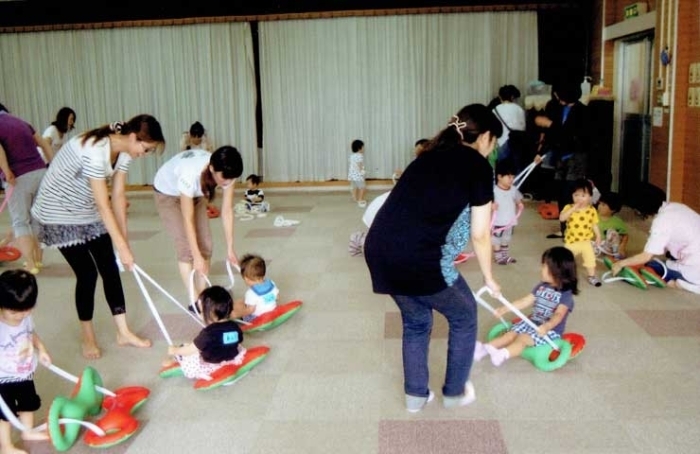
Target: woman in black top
(442,200)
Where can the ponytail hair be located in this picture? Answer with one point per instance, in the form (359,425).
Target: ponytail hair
(145,127)
(466,126)
(226,160)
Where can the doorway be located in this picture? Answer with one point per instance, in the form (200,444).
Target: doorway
(634,79)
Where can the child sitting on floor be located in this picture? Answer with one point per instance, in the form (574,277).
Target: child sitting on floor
(219,342)
(612,228)
(552,299)
(261,296)
(254,196)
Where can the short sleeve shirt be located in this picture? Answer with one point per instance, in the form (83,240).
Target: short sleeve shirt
(547,299)
(579,226)
(65,195)
(614,223)
(675,229)
(354,170)
(182,174)
(17,138)
(219,341)
(263,296)
(17,359)
(507,201)
(425,222)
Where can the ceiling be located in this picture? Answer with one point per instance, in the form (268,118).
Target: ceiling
(34,12)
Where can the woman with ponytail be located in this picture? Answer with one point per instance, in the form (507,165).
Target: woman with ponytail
(183,187)
(75,214)
(442,200)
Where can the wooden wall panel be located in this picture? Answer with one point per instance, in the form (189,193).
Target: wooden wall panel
(686,130)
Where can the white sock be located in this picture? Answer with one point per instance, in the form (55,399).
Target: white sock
(479,351)
(498,355)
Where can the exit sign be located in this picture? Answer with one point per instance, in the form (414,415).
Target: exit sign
(635,9)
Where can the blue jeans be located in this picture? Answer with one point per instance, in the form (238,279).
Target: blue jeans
(671,275)
(458,305)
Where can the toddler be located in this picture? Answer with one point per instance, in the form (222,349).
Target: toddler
(356,172)
(552,300)
(581,227)
(507,201)
(254,196)
(219,342)
(261,296)
(612,227)
(18,342)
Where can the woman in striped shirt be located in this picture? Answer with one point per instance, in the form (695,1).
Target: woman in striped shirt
(75,215)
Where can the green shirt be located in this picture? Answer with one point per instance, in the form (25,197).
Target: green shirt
(613,222)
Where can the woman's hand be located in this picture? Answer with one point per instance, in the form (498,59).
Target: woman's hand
(126,257)
(232,257)
(494,287)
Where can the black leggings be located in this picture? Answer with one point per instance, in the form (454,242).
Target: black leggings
(86,260)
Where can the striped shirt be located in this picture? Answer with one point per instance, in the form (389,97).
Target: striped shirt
(65,196)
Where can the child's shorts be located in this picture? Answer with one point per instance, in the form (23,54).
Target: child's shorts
(586,250)
(524,328)
(20,396)
(357,184)
(503,237)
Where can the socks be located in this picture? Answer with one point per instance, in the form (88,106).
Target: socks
(498,355)
(479,351)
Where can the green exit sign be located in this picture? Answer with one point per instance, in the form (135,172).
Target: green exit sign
(635,9)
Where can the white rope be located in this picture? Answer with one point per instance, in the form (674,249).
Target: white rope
(513,309)
(167,295)
(137,274)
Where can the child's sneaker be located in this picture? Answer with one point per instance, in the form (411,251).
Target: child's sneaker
(461,401)
(594,281)
(415,404)
(506,260)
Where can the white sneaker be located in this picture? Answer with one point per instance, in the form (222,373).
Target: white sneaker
(415,404)
(461,401)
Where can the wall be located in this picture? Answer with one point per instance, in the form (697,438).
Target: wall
(684,128)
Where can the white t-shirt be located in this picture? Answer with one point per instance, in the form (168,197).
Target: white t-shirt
(263,296)
(512,115)
(675,229)
(355,170)
(182,174)
(56,140)
(17,359)
(65,196)
(507,205)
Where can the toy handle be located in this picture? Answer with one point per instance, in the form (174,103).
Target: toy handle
(193,296)
(479,299)
(72,378)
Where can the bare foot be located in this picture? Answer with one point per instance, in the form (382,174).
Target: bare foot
(35,436)
(91,350)
(11,450)
(168,362)
(132,339)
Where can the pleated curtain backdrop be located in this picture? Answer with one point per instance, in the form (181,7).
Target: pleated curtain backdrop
(179,74)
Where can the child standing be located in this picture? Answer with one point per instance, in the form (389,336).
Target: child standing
(581,227)
(261,296)
(507,201)
(356,172)
(218,344)
(612,227)
(254,196)
(552,300)
(18,341)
